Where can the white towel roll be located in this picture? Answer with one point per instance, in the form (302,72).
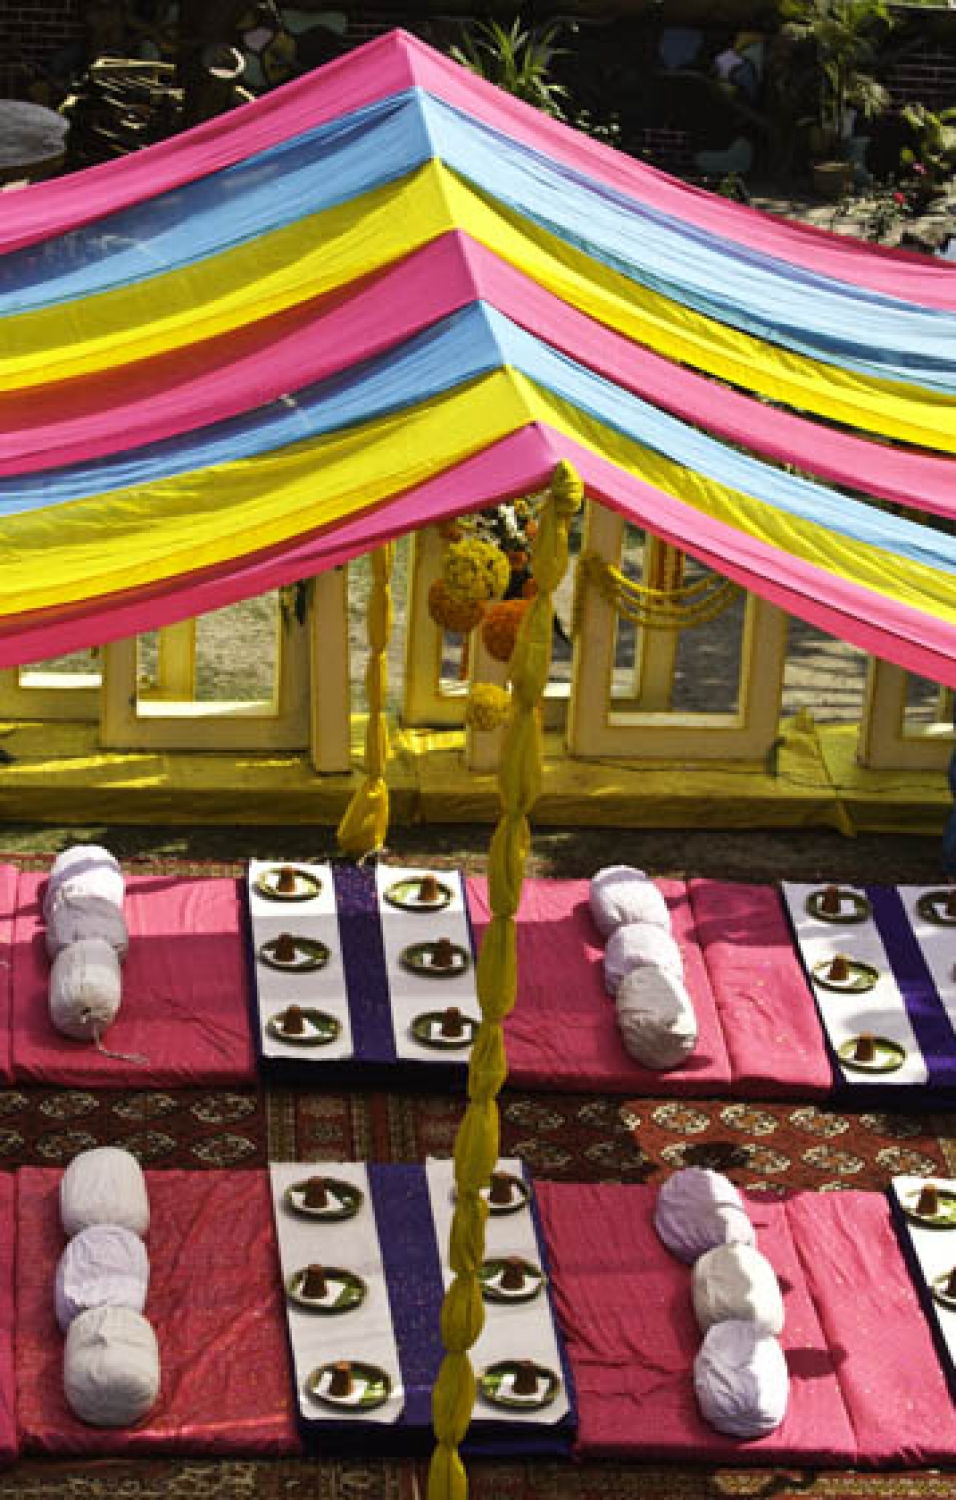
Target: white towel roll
(73,918)
(85,989)
(639,945)
(103,1266)
(110,1367)
(698,1209)
(736,1281)
(84,870)
(657,1018)
(104,1186)
(620,894)
(741,1380)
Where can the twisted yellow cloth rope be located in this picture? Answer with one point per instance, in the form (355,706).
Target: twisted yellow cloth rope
(365,821)
(678,608)
(476,1147)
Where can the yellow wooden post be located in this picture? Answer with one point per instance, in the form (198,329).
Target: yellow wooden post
(365,823)
(483,746)
(176,667)
(329,737)
(476,1147)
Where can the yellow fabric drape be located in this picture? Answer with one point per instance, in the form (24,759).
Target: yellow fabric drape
(365,824)
(476,1146)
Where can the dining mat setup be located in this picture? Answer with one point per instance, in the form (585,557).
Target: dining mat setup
(221,1308)
(384,985)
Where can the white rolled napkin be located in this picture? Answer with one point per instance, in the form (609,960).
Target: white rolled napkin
(736,1282)
(698,1209)
(110,1367)
(103,1266)
(621,895)
(104,1186)
(741,1380)
(656,1017)
(84,870)
(639,945)
(73,918)
(86,987)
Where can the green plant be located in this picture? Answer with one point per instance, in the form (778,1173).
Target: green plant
(844,36)
(928,165)
(518,59)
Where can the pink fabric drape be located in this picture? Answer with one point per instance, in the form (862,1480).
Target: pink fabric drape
(215,1300)
(185,997)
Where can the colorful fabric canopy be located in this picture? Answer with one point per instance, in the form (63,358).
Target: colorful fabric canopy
(387,293)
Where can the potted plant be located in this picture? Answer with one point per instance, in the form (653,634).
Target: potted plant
(843,36)
(928,164)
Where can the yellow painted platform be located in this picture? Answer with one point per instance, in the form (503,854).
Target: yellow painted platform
(55,773)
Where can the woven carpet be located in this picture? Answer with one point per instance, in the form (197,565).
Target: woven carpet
(567,1137)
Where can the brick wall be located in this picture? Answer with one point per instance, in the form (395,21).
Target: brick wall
(31,31)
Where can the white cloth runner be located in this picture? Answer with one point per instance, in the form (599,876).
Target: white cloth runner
(937,944)
(365,1333)
(879,1011)
(322,989)
(410,994)
(935,1249)
(520,1330)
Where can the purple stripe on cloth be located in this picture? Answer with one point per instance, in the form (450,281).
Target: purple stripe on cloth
(363,959)
(411,1258)
(935,1035)
(406,1236)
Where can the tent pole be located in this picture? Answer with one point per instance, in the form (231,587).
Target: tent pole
(365,822)
(476,1146)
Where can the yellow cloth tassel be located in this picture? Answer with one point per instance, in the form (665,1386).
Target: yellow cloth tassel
(365,822)
(476,1147)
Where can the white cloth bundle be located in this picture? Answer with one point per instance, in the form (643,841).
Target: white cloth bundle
(736,1282)
(698,1209)
(73,918)
(110,1367)
(84,870)
(657,1018)
(103,1266)
(85,989)
(741,1380)
(639,945)
(621,895)
(104,1186)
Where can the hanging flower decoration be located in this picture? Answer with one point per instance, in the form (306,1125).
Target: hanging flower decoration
(499,628)
(488,706)
(475,570)
(451,613)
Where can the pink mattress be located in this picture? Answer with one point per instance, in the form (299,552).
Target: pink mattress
(766,1010)
(9,882)
(185,991)
(866,1384)
(563,1032)
(8,1417)
(215,1300)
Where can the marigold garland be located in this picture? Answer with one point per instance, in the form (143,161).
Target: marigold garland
(499,628)
(475,570)
(488,706)
(457,615)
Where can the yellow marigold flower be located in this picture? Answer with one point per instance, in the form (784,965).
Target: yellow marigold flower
(488,706)
(475,570)
(450,613)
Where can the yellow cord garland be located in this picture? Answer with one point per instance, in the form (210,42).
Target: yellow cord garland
(476,1146)
(365,822)
(679,608)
